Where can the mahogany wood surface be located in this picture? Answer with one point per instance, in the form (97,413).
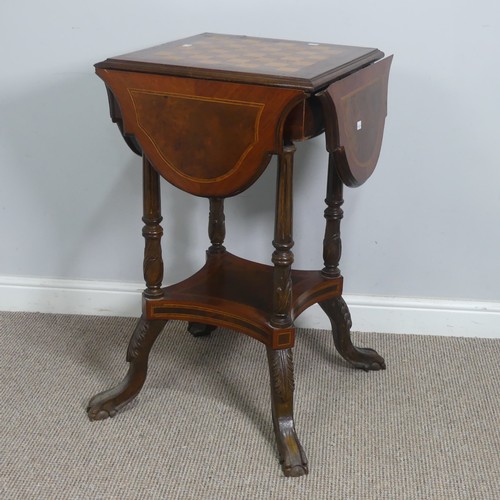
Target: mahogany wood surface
(292,456)
(355,110)
(284,63)
(237,293)
(207,113)
(207,138)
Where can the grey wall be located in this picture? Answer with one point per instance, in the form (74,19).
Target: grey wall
(425,225)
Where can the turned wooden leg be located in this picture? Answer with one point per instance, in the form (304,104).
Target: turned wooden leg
(282,257)
(107,403)
(152,232)
(216,225)
(340,318)
(332,244)
(292,457)
(216,233)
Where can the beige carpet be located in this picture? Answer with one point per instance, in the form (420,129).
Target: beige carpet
(426,428)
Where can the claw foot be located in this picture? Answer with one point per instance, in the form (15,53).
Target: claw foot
(293,459)
(96,412)
(366,359)
(360,357)
(106,404)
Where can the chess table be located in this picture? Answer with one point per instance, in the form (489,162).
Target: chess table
(207,113)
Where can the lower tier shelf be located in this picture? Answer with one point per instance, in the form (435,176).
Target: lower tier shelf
(236,293)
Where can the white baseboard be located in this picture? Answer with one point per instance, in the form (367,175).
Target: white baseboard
(101,298)
(453,318)
(371,314)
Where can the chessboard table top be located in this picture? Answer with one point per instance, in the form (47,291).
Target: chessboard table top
(284,63)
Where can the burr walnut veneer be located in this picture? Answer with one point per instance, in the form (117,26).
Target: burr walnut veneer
(207,113)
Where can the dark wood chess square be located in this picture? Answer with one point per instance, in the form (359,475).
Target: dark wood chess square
(305,65)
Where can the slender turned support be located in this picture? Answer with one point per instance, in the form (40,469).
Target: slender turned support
(332,244)
(216,233)
(107,403)
(216,226)
(292,457)
(282,257)
(152,232)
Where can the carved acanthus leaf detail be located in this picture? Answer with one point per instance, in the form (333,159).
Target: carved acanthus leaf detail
(281,369)
(136,342)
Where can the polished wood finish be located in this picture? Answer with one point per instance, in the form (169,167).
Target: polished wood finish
(355,110)
(216,225)
(304,121)
(282,257)
(152,232)
(182,126)
(236,293)
(332,244)
(308,66)
(207,113)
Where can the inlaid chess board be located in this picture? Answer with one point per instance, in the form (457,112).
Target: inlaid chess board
(247,59)
(248,54)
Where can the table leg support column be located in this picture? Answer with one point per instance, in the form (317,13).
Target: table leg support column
(336,308)
(217,234)
(216,226)
(152,232)
(332,243)
(282,257)
(107,403)
(292,456)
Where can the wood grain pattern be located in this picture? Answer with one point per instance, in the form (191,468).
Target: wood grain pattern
(210,139)
(284,63)
(236,293)
(355,109)
(207,113)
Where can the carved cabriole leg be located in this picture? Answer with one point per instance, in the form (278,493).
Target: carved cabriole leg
(336,308)
(282,257)
(107,403)
(292,457)
(216,233)
(340,318)
(332,244)
(152,232)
